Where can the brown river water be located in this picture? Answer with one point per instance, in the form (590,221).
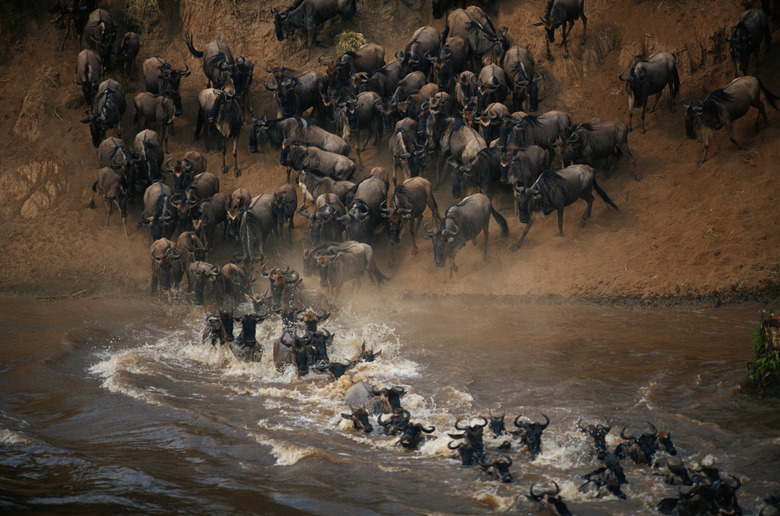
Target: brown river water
(113,406)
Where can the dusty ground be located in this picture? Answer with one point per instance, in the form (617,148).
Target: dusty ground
(683,230)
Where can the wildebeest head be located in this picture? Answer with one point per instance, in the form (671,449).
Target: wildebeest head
(185,206)
(182,173)
(740,44)
(484,90)
(527,200)
(163,256)
(642,448)
(550,497)
(396,423)
(283,208)
(319,342)
(172,87)
(311,319)
(395,218)
(242,73)
(598,433)
(258,135)
(413,434)
(498,468)
(367,355)
(317,219)
(471,433)
(637,83)
(531,434)
(692,118)
(281,27)
(468,456)
(442,238)
(279,280)
(300,349)
(289,316)
(387,110)
(359,418)
(390,399)
(497,424)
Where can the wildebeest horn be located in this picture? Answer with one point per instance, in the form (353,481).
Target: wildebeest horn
(383,423)
(293,277)
(270,88)
(399,55)
(519,425)
(483,425)
(425,227)
(188,164)
(428,431)
(399,390)
(629,437)
(431,58)
(653,428)
(167,166)
(449,445)
(457,421)
(446,52)
(547,422)
(622,79)
(320,61)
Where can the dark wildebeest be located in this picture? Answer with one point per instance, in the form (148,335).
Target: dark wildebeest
(313,185)
(482,172)
(424,42)
(531,434)
(408,155)
(275,132)
(606,479)
(76,13)
(598,433)
(563,14)
(491,120)
(396,423)
(309,15)
(450,61)
(209,214)
(358,113)
(222,71)
(365,214)
(126,54)
(162,78)
(408,202)
(461,223)
(191,247)
(339,73)
(725,105)
(257,225)
(338,266)
(524,165)
(203,186)
(465,88)
(285,203)
(359,419)
(473,25)
(159,214)
(649,77)
(296,94)
(746,37)
(199,276)
(113,189)
(107,110)
(100,33)
(234,281)
(316,161)
(539,130)
(114,153)
(148,152)
(185,169)
(157,109)
(497,424)
(641,449)
(520,69)
(89,70)
(323,221)
(382,81)
(550,497)
(376,401)
(597,140)
(472,434)
(221,111)
(412,435)
(497,469)
(165,260)
(456,140)
(553,191)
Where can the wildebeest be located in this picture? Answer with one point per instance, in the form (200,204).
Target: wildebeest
(338,266)
(74,17)
(275,132)
(203,186)
(107,110)
(100,33)
(376,401)
(455,139)
(358,113)
(725,105)
(425,41)
(461,223)
(222,71)
(296,94)
(473,25)
(159,213)
(531,434)
(450,61)
(472,434)
(407,154)
(381,81)
(209,214)
(553,191)
(157,109)
(642,448)
(313,185)
(598,433)
(482,171)
(89,69)
(746,37)
(314,160)
(524,164)
(126,54)
(114,153)
(339,73)
(234,281)
(497,469)
(520,69)
(465,88)
(606,479)
(191,247)
(359,418)
(413,434)
(165,258)
(148,152)
(563,14)
(113,189)
(364,214)
(497,424)
(309,15)
(597,140)
(528,130)
(649,77)
(551,498)
(293,347)
(323,221)
(201,275)
(185,169)
(396,423)
(408,203)
(490,121)
(220,110)
(257,225)
(162,78)
(285,203)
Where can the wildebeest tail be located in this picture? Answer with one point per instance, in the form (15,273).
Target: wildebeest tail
(94,186)
(770,97)
(604,195)
(501,221)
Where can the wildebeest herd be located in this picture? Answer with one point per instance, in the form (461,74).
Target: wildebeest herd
(444,104)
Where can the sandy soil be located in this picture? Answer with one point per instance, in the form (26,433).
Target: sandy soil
(683,231)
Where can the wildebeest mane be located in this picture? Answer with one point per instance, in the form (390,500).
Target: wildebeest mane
(587,126)
(532,120)
(548,8)
(547,184)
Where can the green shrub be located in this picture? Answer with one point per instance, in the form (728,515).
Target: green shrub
(765,367)
(142,14)
(350,41)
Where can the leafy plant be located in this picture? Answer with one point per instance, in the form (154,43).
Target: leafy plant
(766,365)
(142,14)
(350,41)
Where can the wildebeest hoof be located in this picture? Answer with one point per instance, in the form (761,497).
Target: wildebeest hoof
(414,252)
(238,173)
(454,268)
(92,204)
(224,170)
(515,247)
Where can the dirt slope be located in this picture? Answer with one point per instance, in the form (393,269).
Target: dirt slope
(683,230)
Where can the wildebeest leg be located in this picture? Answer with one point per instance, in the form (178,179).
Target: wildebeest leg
(414,225)
(657,98)
(630,111)
(484,250)
(560,221)
(588,196)
(565,47)
(392,255)
(584,26)
(522,237)
(224,151)
(730,130)
(236,171)
(110,208)
(761,112)
(154,285)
